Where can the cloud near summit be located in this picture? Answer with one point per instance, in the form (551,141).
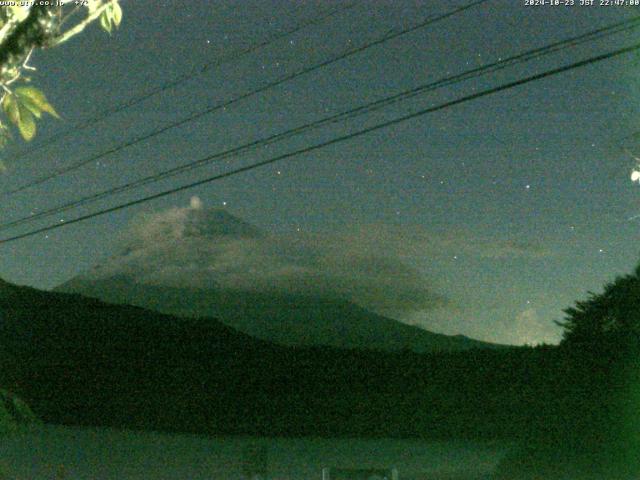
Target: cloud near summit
(204,248)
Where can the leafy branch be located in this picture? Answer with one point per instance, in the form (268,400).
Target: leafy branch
(23,29)
(109,13)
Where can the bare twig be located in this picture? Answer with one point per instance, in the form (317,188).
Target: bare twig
(26,61)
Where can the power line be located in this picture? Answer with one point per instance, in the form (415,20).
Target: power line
(56,137)
(333,141)
(345,115)
(190,118)
(529,55)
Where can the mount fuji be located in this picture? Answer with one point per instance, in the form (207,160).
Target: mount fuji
(203,262)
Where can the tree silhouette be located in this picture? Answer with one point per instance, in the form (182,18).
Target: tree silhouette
(609,320)
(591,427)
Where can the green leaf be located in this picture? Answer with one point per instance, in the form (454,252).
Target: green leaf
(35,101)
(20,115)
(32,107)
(27,124)
(116,13)
(5,136)
(10,107)
(105,20)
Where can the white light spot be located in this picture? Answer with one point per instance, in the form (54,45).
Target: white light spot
(635,176)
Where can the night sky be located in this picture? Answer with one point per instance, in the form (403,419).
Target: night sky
(511,206)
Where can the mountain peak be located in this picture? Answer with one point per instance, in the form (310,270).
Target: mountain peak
(194,221)
(215,222)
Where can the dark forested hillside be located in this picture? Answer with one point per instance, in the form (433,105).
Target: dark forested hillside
(81,361)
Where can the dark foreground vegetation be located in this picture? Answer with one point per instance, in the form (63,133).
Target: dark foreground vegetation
(590,429)
(83,362)
(78,361)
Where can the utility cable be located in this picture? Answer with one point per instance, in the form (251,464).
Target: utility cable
(333,141)
(345,115)
(223,105)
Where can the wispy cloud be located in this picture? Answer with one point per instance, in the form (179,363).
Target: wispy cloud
(409,241)
(368,269)
(490,247)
